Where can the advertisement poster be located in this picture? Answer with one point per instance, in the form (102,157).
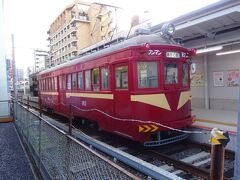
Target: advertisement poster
(218,79)
(197,80)
(233,76)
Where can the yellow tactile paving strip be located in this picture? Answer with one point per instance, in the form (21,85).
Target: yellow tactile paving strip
(216,122)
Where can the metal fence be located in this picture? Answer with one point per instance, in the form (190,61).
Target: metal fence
(57,155)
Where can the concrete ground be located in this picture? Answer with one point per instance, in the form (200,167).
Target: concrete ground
(14,163)
(225,120)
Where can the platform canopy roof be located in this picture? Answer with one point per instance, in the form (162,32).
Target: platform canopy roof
(218,23)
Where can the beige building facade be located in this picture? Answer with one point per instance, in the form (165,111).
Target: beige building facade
(78,26)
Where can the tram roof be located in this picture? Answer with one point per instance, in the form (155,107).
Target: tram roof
(152,39)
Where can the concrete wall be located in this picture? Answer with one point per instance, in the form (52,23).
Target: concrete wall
(4,112)
(222,98)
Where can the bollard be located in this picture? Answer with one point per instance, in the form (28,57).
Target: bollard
(219,140)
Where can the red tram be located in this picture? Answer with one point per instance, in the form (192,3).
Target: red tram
(138,88)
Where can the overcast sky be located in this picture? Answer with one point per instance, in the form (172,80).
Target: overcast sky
(29,20)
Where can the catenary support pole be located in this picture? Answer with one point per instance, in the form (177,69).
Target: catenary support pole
(206,91)
(15,88)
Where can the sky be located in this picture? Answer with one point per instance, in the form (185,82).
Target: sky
(29,20)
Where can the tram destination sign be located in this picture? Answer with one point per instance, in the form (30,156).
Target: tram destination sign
(171,54)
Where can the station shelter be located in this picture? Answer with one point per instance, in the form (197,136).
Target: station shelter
(215,72)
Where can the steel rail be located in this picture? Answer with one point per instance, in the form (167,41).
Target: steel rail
(207,147)
(182,165)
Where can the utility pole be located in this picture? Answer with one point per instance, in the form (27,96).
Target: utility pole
(14,69)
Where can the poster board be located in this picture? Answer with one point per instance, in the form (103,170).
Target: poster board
(233,76)
(197,80)
(218,80)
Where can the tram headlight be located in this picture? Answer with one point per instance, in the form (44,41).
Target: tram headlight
(168,30)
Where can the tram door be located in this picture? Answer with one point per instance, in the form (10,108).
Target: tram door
(121,92)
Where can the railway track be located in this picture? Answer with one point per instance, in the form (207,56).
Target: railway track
(188,160)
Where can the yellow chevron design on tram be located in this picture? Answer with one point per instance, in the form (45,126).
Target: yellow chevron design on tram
(184,97)
(147,128)
(158,100)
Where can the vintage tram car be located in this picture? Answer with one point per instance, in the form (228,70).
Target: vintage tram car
(138,88)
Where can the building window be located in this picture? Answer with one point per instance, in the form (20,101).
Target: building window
(121,77)
(80,80)
(68,81)
(95,79)
(104,77)
(74,80)
(185,74)
(87,80)
(72,14)
(171,73)
(147,74)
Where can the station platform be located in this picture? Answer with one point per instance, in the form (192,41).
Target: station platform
(208,119)
(14,163)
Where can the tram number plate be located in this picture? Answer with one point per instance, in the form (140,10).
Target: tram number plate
(172,55)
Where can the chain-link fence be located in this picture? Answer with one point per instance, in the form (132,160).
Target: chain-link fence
(59,156)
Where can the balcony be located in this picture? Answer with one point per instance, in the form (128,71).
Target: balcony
(81,19)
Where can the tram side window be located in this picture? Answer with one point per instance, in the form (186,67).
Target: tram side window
(74,81)
(80,80)
(87,80)
(53,84)
(49,83)
(147,74)
(121,77)
(45,87)
(171,73)
(185,74)
(95,79)
(55,81)
(68,81)
(40,85)
(104,77)
(64,82)
(60,82)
